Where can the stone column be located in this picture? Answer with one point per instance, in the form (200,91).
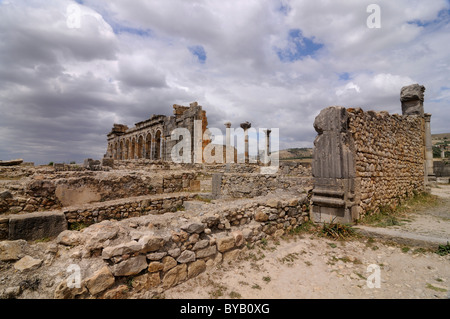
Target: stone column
(428,149)
(229,154)
(268,142)
(245,126)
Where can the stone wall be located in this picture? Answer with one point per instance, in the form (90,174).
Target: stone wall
(365,160)
(389,156)
(53,191)
(24,226)
(172,250)
(251,185)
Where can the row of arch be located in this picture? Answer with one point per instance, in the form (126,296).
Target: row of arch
(142,146)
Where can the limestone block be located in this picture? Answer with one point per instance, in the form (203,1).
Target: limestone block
(100,281)
(130,267)
(27,263)
(11,250)
(206,252)
(195,268)
(186,256)
(225,243)
(37,225)
(174,276)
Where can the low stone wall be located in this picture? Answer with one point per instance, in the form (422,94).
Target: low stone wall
(251,185)
(163,257)
(126,208)
(73,188)
(442,168)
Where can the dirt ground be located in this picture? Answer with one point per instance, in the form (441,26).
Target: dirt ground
(308,266)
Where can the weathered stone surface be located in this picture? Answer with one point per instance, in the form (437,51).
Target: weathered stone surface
(11,292)
(120,292)
(37,225)
(238,238)
(174,276)
(231,256)
(96,235)
(274,203)
(206,252)
(169,263)
(193,227)
(27,263)
(62,291)
(186,256)
(11,250)
(174,252)
(412,97)
(146,281)
(201,244)
(121,249)
(129,267)
(195,268)
(225,243)
(156,256)
(151,243)
(100,281)
(69,238)
(155,266)
(260,216)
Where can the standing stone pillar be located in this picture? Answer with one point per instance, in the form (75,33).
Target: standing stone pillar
(245,126)
(442,147)
(428,149)
(412,97)
(229,154)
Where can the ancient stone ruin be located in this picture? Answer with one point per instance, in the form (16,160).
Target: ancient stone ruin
(367,160)
(151,139)
(137,214)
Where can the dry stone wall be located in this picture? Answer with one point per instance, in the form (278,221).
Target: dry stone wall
(251,185)
(389,156)
(365,160)
(163,251)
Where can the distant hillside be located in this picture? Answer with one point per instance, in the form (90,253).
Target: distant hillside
(296,153)
(443,138)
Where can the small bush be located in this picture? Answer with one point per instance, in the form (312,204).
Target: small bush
(443,250)
(337,230)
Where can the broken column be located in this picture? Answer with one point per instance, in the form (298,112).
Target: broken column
(412,97)
(245,126)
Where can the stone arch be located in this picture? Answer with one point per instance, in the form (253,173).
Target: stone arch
(120,150)
(140,147)
(115,150)
(133,148)
(127,149)
(148,146)
(157,147)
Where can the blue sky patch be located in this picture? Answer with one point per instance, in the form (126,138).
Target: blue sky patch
(199,52)
(442,17)
(298,47)
(344,76)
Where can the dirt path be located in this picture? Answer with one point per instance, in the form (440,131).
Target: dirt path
(308,266)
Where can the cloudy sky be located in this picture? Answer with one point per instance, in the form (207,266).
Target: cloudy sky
(70,69)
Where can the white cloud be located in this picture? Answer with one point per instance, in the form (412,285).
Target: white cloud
(128,60)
